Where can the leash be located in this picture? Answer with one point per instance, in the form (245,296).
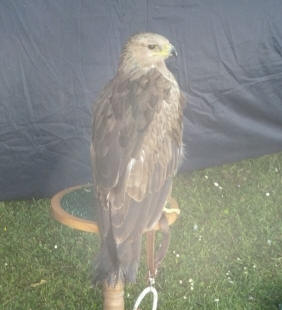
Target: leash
(153,261)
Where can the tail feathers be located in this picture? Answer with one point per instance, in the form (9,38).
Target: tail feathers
(117,263)
(105,268)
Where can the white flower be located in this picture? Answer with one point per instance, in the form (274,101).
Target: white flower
(177,255)
(195,227)
(180,281)
(55,246)
(184,297)
(6,264)
(206,177)
(215,184)
(216,300)
(267,194)
(190,280)
(192,288)
(200,238)
(220,187)
(254,266)
(238,259)
(269,242)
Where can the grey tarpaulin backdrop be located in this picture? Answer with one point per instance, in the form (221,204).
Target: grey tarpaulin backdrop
(56,55)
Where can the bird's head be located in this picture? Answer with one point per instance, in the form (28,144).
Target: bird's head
(147,50)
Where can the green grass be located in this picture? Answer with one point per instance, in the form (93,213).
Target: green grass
(226,245)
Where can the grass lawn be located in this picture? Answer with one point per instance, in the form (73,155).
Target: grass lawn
(225,252)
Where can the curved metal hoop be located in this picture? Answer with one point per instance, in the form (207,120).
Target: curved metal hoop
(91,226)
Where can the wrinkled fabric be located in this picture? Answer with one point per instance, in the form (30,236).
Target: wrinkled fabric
(55,57)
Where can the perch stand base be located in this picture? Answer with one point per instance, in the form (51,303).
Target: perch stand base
(113,296)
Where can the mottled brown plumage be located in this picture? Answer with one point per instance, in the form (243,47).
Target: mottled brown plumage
(136,148)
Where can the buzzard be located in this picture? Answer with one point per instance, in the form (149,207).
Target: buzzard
(136,148)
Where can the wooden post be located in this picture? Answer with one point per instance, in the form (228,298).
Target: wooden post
(113,296)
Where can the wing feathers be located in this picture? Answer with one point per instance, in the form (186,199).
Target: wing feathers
(136,139)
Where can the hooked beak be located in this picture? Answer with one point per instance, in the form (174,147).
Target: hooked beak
(173,51)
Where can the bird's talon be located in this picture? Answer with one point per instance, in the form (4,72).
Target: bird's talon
(171,210)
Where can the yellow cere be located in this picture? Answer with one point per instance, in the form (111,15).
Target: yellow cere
(165,51)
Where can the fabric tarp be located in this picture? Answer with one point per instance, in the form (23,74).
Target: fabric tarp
(55,57)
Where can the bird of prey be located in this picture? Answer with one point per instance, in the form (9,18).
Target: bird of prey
(136,148)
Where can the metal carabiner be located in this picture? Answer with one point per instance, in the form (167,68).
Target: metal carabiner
(147,290)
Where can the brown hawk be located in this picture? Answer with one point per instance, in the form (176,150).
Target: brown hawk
(136,149)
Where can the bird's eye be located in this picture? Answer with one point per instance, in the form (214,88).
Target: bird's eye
(152,46)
